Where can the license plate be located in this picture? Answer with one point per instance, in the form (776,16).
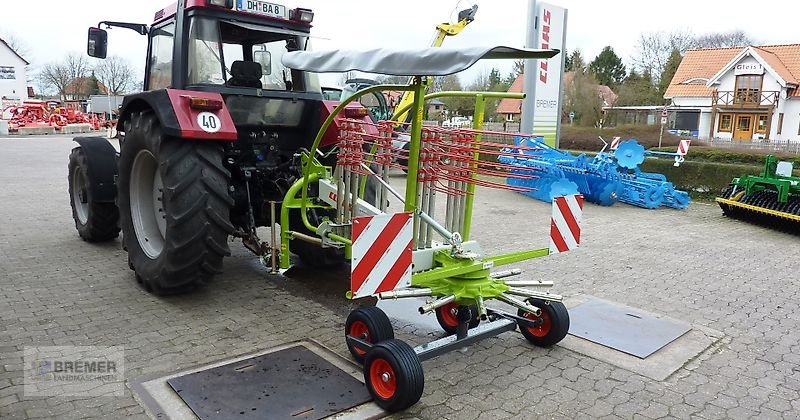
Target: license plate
(262,8)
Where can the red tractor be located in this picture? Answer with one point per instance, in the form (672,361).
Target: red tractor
(209,147)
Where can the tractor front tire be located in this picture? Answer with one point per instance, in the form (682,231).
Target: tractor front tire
(96,222)
(174,206)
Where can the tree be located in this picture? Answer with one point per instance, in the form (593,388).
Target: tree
(607,68)
(669,71)
(735,38)
(94,85)
(392,80)
(116,74)
(60,74)
(456,105)
(582,98)
(654,48)
(575,62)
(16,44)
(638,89)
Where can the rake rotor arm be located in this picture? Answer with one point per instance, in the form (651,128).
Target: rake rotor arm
(139,28)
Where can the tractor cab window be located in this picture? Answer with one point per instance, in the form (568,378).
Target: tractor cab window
(161,57)
(226,53)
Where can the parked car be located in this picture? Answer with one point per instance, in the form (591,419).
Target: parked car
(457,122)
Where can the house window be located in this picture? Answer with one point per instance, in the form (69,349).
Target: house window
(7,72)
(748,89)
(509,117)
(780,122)
(725,122)
(761,124)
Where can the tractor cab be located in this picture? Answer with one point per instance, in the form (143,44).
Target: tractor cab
(220,45)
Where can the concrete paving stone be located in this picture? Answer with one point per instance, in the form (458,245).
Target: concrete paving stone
(56,289)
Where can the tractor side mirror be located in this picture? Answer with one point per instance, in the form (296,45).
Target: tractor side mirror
(97,45)
(264,58)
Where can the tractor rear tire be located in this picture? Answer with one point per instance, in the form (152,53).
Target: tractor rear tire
(174,206)
(96,222)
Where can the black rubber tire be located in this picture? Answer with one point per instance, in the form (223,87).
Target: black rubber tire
(196,207)
(406,372)
(372,321)
(554,313)
(448,322)
(102,219)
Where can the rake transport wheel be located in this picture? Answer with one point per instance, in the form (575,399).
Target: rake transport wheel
(393,375)
(370,324)
(554,325)
(96,222)
(174,207)
(447,316)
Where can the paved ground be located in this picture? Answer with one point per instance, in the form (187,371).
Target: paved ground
(694,265)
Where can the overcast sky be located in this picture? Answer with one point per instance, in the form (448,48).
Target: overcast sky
(51,28)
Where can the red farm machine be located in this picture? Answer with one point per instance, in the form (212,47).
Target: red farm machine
(232,133)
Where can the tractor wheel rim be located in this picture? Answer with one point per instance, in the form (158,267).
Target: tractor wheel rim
(147,204)
(542,329)
(359,329)
(382,378)
(449,314)
(80,199)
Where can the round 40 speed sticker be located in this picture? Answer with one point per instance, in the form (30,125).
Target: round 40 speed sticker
(208,122)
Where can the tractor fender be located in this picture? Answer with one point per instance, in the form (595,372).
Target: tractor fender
(102,170)
(177,118)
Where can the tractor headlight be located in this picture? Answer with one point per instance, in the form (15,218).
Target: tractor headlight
(221,3)
(303,15)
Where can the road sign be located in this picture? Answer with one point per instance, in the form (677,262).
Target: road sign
(571,115)
(665,112)
(663,120)
(381,253)
(565,225)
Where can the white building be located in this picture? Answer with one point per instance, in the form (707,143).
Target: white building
(741,94)
(13,79)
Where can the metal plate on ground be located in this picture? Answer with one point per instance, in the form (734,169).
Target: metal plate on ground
(293,383)
(628,330)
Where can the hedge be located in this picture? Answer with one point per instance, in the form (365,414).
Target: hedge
(750,157)
(585,138)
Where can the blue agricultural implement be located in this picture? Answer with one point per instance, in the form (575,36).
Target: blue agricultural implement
(603,179)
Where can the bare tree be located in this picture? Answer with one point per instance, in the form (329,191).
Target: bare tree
(653,50)
(116,74)
(17,45)
(60,75)
(735,38)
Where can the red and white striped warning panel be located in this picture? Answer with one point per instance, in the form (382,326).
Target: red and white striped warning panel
(615,142)
(381,253)
(565,226)
(683,147)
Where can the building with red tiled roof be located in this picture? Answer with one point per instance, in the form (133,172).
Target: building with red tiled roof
(511,109)
(743,94)
(80,88)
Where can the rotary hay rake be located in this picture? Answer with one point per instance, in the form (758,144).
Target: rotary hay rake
(410,253)
(606,178)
